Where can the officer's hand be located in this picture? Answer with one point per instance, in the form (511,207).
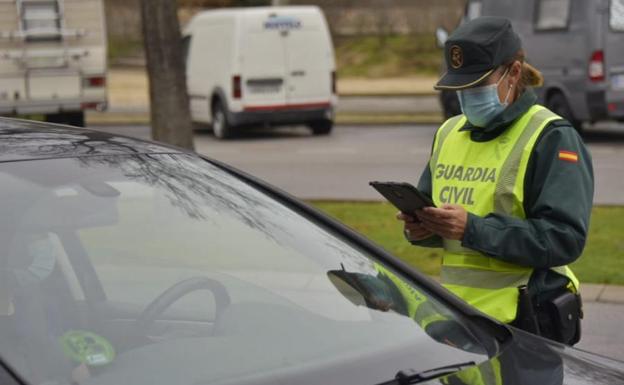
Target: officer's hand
(412,228)
(448,221)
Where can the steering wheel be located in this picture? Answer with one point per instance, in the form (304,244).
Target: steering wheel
(174,293)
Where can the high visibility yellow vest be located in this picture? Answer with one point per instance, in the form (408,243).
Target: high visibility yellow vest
(486,177)
(417,306)
(487,373)
(425,313)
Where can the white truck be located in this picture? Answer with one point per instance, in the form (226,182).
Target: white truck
(265,66)
(52,58)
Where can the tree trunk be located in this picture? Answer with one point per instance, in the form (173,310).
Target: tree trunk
(169,103)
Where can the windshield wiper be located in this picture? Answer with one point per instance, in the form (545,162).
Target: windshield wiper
(410,376)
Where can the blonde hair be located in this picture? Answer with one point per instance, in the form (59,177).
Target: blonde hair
(529,75)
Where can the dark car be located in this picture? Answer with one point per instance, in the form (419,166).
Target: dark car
(130,262)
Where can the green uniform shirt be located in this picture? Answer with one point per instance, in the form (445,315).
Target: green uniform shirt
(558,201)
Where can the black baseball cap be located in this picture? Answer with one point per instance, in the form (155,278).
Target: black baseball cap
(476,49)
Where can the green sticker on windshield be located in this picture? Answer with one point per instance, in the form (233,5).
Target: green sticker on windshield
(87,348)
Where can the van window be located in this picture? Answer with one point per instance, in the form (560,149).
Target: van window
(473,10)
(616,19)
(552,14)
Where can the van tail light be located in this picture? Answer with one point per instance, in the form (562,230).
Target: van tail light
(89,106)
(237,88)
(96,81)
(611,107)
(333,83)
(596,69)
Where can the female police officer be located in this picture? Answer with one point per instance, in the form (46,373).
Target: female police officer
(513,186)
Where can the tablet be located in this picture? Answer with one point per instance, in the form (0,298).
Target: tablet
(403,196)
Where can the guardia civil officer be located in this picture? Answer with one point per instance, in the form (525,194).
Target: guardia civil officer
(513,185)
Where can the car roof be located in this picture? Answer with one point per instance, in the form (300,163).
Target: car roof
(259,11)
(233,13)
(30,140)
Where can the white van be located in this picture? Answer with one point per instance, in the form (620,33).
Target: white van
(261,66)
(52,58)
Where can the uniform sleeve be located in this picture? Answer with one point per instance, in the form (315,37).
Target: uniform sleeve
(424,185)
(558,201)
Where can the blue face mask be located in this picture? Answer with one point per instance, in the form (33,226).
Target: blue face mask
(481,104)
(43,257)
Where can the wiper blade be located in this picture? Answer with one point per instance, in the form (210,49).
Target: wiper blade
(410,376)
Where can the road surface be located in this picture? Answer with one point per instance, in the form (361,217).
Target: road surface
(340,166)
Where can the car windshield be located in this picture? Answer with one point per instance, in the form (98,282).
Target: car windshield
(162,269)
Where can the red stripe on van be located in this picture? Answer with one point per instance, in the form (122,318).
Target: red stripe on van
(286,107)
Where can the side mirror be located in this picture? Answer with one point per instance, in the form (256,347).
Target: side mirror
(361,289)
(441,36)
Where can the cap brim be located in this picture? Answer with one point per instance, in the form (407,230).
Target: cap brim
(451,81)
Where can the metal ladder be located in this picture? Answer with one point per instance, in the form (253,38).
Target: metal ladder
(26,59)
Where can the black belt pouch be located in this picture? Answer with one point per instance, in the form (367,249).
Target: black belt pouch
(565,313)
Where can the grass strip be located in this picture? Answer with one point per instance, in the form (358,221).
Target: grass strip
(601,261)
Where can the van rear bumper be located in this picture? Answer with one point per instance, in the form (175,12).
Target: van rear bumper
(605,106)
(24,107)
(280,117)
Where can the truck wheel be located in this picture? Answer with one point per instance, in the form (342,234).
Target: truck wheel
(55,118)
(558,104)
(75,118)
(72,118)
(221,128)
(322,127)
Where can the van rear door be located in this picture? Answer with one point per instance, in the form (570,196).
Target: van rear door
(50,85)
(614,59)
(309,60)
(263,63)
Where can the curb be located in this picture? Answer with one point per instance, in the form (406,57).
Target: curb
(602,293)
(117,119)
(388,94)
(363,119)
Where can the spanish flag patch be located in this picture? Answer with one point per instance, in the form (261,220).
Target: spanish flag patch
(568,156)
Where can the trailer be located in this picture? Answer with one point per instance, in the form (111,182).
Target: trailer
(52,58)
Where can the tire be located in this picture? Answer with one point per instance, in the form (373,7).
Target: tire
(55,118)
(221,128)
(76,118)
(322,127)
(558,104)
